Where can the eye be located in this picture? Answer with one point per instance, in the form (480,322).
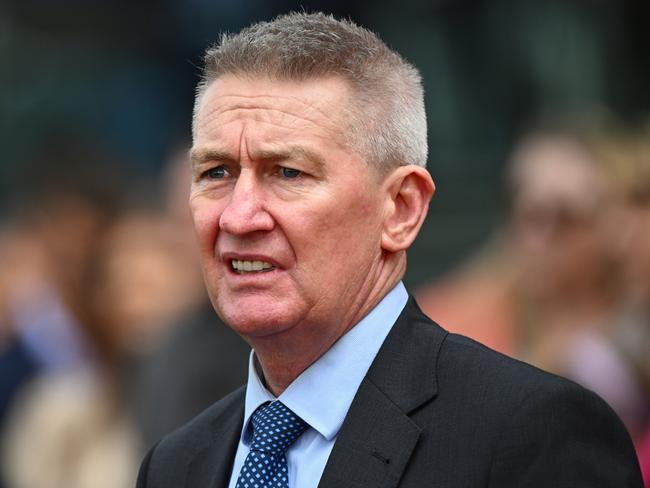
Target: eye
(290,173)
(216,173)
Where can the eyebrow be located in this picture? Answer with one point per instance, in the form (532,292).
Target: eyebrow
(203,155)
(198,156)
(289,153)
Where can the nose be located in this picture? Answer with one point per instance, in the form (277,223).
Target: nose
(245,212)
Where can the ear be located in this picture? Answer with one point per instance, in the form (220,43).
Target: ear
(409,190)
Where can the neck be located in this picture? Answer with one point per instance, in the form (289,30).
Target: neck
(284,357)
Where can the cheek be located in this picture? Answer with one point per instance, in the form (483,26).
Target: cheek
(343,219)
(205,215)
(337,234)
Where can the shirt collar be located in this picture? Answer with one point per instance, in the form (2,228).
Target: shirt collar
(323,393)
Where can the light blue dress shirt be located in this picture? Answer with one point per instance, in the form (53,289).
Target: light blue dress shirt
(322,394)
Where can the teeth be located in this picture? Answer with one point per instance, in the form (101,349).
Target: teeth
(250,266)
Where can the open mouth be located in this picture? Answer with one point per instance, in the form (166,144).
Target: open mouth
(241,266)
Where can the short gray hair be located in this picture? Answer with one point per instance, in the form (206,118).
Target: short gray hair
(388,121)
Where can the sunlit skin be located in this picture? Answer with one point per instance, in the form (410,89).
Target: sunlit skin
(274,180)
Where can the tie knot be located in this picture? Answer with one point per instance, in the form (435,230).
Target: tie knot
(275,428)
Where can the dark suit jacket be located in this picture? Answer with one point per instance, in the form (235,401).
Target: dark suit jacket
(435,410)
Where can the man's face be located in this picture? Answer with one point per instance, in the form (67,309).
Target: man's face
(288,218)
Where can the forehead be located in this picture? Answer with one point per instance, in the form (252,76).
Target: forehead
(312,105)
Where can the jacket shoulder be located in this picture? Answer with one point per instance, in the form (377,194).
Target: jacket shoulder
(534,428)
(502,382)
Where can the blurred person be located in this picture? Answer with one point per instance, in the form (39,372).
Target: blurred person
(43,256)
(549,252)
(626,158)
(136,283)
(52,224)
(559,192)
(143,279)
(58,209)
(17,366)
(56,217)
(308,187)
(572,287)
(67,430)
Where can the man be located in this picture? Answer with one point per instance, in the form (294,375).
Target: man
(308,188)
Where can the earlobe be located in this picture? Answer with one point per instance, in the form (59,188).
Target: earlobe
(409,190)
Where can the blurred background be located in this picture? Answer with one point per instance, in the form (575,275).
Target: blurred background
(537,241)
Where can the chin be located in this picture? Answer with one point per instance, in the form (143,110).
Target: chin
(255,319)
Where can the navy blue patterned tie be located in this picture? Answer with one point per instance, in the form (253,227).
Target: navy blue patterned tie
(275,428)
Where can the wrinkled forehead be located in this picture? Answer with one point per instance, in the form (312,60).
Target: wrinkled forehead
(273,116)
(323,101)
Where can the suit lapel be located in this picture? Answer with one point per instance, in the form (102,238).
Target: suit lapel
(378,437)
(211,466)
(373,446)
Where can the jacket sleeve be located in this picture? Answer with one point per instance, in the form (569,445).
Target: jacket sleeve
(564,436)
